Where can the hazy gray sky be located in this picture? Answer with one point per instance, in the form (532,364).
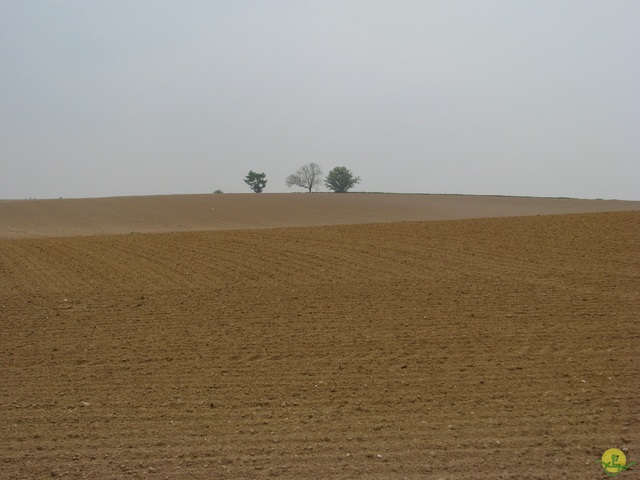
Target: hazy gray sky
(126,97)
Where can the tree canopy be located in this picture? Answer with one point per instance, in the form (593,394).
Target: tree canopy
(256,181)
(340,180)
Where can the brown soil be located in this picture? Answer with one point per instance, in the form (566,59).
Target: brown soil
(480,348)
(72,217)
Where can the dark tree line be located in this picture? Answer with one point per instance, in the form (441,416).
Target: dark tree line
(309,176)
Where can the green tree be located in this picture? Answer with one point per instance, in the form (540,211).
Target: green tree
(257,181)
(340,180)
(308,176)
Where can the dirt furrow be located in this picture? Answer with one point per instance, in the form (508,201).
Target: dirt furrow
(502,348)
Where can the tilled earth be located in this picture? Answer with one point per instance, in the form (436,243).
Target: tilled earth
(491,348)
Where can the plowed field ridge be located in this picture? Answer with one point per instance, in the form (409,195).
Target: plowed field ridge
(477,348)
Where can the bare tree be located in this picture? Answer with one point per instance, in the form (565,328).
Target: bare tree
(309,176)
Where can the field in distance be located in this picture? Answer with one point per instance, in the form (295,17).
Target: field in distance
(71,217)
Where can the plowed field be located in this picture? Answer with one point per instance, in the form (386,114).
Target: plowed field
(481,348)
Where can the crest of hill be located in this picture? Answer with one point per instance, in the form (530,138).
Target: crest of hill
(118,215)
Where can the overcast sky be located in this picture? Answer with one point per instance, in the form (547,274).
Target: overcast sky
(108,97)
